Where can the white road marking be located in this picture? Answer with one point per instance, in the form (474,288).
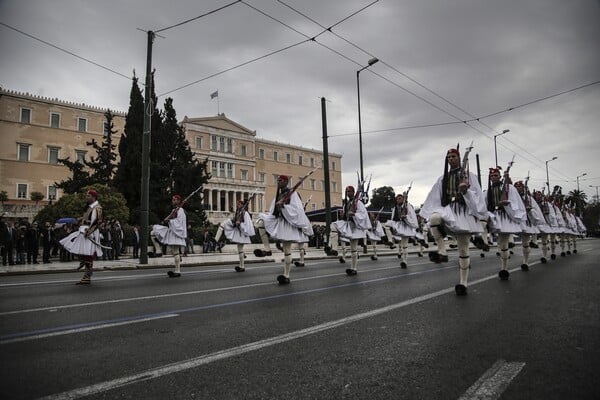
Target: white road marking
(194,292)
(494,381)
(246,348)
(85,329)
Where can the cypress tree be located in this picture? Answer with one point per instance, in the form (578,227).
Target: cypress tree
(104,164)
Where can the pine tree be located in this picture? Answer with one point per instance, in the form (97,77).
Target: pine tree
(78,180)
(104,164)
(128,176)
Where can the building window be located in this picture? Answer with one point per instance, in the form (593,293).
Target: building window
(106,128)
(222,144)
(213,143)
(229,148)
(82,124)
(334,186)
(313,184)
(312,162)
(275,155)
(23,151)
(261,177)
(313,206)
(214,169)
(54,120)
(299,160)
(21,190)
(222,169)
(80,156)
(243,150)
(51,192)
(288,158)
(333,165)
(53,155)
(244,174)
(229,170)
(26,115)
(261,154)
(322,185)
(198,142)
(275,179)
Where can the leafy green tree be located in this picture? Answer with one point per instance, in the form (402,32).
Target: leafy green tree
(74,205)
(577,199)
(79,179)
(103,165)
(3,197)
(37,197)
(383,197)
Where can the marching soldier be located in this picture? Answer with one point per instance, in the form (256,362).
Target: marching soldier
(401,226)
(375,234)
(353,226)
(529,228)
(506,211)
(173,235)
(239,230)
(285,221)
(455,205)
(86,240)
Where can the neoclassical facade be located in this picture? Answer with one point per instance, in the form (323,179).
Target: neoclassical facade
(35,131)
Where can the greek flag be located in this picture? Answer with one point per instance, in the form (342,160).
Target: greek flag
(214,94)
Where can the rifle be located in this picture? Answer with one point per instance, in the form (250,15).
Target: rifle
(506,181)
(405,202)
(239,213)
(527,201)
(181,204)
(307,201)
(464,170)
(288,195)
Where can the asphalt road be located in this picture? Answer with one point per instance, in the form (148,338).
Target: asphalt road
(387,333)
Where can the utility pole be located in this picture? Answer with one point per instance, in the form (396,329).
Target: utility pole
(326,170)
(148,107)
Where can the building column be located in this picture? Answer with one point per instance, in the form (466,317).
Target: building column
(226,201)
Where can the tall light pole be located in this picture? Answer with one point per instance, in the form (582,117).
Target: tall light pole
(579,176)
(369,63)
(547,176)
(495,149)
(597,197)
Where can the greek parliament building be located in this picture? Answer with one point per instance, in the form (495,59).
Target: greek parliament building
(36,131)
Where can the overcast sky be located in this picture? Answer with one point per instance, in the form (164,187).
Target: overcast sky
(441,62)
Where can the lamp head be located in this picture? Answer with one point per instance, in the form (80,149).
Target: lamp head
(373,60)
(505,131)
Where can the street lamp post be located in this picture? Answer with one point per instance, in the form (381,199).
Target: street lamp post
(495,149)
(597,197)
(547,176)
(370,62)
(579,176)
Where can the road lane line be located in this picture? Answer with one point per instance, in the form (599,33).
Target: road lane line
(195,292)
(246,348)
(83,329)
(494,381)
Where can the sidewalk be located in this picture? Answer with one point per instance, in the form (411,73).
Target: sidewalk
(229,256)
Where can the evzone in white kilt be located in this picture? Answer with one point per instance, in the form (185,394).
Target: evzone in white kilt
(238,232)
(536,215)
(401,226)
(456,209)
(353,226)
(173,236)
(287,222)
(375,234)
(85,241)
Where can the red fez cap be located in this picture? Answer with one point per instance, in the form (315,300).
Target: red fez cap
(350,188)
(283,178)
(176,196)
(399,195)
(453,151)
(494,171)
(93,193)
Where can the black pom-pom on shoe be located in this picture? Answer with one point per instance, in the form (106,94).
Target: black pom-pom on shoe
(503,274)
(461,290)
(342,260)
(524,267)
(240,269)
(283,280)
(543,260)
(351,272)
(298,264)
(403,265)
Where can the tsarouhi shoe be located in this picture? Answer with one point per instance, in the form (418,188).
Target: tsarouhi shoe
(543,260)
(342,260)
(262,253)
(403,265)
(298,264)
(503,274)
(374,258)
(524,267)
(283,280)
(351,272)
(553,256)
(329,251)
(173,274)
(461,290)
(239,269)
